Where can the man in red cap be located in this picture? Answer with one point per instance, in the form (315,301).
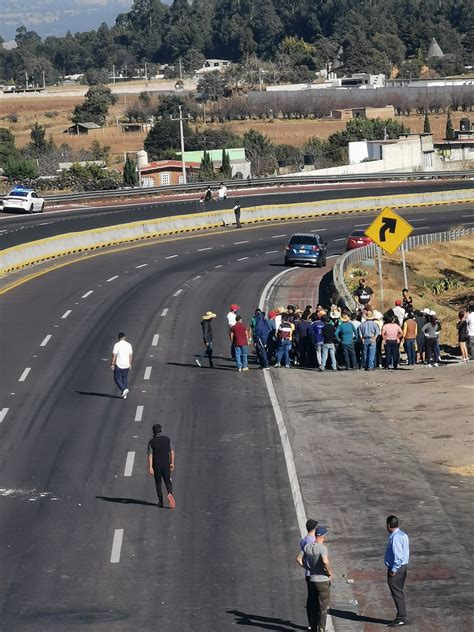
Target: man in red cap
(231,320)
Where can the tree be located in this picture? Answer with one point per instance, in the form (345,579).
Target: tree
(211,85)
(39,145)
(449,126)
(7,145)
(426,124)
(165,136)
(94,77)
(100,152)
(96,105)
(226,167)
(206,170)
(130,172)
(89,178)
(18,169)
(261,153)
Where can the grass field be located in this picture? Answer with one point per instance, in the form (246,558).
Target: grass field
(426,266)
(54,114)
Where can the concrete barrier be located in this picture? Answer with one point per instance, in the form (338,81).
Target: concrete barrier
(18,257)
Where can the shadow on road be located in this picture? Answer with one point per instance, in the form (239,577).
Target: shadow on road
(265,623)
(126,501)
(204,366)
(353,616)
(93,394)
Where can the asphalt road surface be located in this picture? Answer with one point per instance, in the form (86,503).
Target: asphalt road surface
(16,229)
(83,545)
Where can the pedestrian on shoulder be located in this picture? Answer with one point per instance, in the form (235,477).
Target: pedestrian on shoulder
(410,331)
(161,464)
(262,335)
(208,338)
(392,334)
(470,329)
(309,538)
(240,341)
(316,560)
(399,312)
(363,294)
(420,336)
(222,192)
(231,320)
(462,335)
(121,363)
(407,300)
(430,332)
(397,555)
(317,329)
(237,212)
(208,195)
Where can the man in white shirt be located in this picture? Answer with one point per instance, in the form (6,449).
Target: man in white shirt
(222,192)
(231,320)
(399,312)
(121,363)
(470,330)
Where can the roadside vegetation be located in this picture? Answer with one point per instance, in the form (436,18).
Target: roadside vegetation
(440,277)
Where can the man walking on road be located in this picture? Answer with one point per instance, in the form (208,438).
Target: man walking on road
(208,338)
(309,538)
(121,363)
(397,555)
(161,464)
(316,560)
(240,341)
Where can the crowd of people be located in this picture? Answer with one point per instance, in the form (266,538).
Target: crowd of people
(335,338)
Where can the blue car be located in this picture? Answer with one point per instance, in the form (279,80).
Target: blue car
(306,248)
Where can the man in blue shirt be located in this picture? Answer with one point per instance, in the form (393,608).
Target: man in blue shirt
(397,555)
(309,538)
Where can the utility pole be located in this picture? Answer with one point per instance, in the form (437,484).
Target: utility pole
(146,72)
(180,69)
(181,134)
(44,80)
(26,79)
(113,73)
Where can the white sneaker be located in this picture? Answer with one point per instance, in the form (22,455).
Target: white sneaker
(245,368)
(197,362)
(125,393)
(239,370)
(435,364)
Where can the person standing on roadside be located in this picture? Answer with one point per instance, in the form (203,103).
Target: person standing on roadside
(285,341)
(231,320)
(237,211)
(161,464)
(368,332)
(329,344)
(410,332)
(470,330)
(461,326)
(363,293)
(318,337)
(346,334)
(309,538)
(316,560)
(392,334)
(399,312)
(262,334)
(240,341)
(208,338)
(222,192)
(397,556)
(121,363)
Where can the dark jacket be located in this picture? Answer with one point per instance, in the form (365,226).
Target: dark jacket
(329,333)
(262,330)
(207,333)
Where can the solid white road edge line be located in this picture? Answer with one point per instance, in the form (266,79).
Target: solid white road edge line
(154,342)
(165,311)
(3,414)
(139,413)
(116,546)
(147,374)
(285,441)
(130,460)
(24,375)
(178,292)
(66,313)
(87,294)
(46,339)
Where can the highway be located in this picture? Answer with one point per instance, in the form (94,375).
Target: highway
(17,229)
(84,545)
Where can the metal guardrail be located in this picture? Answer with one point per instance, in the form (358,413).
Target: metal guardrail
(346,260)
(259,182)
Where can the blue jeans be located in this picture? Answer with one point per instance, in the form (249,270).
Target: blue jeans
(392,354)
(241,357)
(329,347)
(410,349)
(369,353)
(284,347)
(349,356)
(121,378)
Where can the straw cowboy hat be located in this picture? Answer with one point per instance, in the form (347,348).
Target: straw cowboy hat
(377,315)
(208,316)
(280,310)
(335,312)
(369,315)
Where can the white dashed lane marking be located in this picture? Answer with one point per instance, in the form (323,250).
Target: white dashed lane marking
(277,236)
(236,243)
(66,313)
(46,339)
(271,252)
(423,219)
(139,413)
(143,265)
(3,414)
(178,292)
(147,374)
(113,278)
(171,256)
(203,249)
(340,239)
(129,464)
(24,375)
(317,230)
(219,266)
(422,228)
(242,258)
(87,294)
(154,342)
(165,311)
(116,546)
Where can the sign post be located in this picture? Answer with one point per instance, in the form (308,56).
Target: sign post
(389,231)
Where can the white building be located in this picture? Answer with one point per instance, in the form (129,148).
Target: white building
(213,64)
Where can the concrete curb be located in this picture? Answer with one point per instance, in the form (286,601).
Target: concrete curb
(19,257)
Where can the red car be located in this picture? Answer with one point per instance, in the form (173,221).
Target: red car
(357,239)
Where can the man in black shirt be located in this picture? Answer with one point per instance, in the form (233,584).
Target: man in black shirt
(329,344)
(161,464)
(363,294)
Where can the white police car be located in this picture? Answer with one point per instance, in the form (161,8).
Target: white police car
(22,199)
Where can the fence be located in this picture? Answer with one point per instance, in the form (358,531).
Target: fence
(346,260)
